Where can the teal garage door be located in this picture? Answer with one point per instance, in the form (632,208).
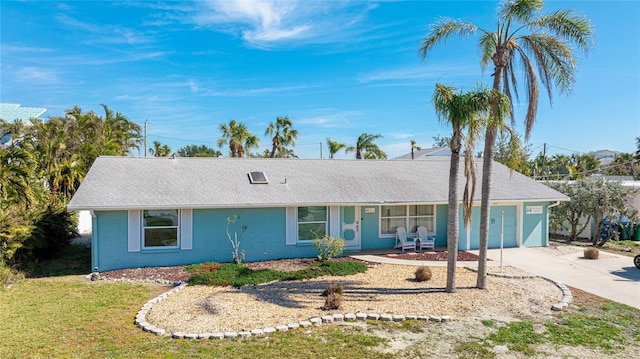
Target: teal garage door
(495,226)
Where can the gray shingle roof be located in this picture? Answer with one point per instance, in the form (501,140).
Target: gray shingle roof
(128,182)
(426,152)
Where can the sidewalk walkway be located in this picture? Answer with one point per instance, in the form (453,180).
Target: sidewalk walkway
(413,262)
(611,276)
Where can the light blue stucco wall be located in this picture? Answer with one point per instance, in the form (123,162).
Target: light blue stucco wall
(111,239)
(265,233)
(265,237)
(370,231)
(535,226)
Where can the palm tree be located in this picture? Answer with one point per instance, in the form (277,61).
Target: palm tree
(414,147)
(159,150)
(560,167)
(283,135)
(334,147)
(622,165)
(239,138)
(523,37)
(584,165)
(15,174)
(462,111)
(366,148)
(198,151)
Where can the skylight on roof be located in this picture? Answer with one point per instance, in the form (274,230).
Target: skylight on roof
(258,178)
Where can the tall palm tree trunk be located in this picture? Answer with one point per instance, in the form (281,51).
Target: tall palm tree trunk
(452,221)
(487,172)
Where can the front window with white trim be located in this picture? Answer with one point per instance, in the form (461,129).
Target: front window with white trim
(312,222)
(160,228)
(408,216)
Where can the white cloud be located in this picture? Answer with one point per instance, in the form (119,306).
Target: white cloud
(32,73)
(252,91)
(331,119)
(401,136)
(266,23)
(16,48)
(419,72)
(106,34)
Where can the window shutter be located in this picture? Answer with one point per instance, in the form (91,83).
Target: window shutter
(186,229)
(134,230)
(334,221)
(292,226)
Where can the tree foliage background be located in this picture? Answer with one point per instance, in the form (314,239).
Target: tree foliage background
(607,202)
(41,167)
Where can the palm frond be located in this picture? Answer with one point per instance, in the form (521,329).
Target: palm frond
(487,47)
(521,10)
(441,31)
(574,28)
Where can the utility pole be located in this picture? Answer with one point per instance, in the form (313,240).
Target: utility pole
(145,137)
(320,149)
(544,158)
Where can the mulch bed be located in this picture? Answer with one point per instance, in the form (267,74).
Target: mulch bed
(433,256)
(178,273)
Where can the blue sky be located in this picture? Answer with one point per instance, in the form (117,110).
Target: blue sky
(337,69)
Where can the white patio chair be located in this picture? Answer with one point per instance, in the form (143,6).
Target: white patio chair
(427,240)
(402,241)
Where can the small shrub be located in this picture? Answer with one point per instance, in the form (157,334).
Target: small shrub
(591,253)
(488,323)
(333,301)
(423,274)
(238,256)
(9,276)
(333,288)
(328,247)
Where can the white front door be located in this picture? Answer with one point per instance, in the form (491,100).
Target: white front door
(351,226)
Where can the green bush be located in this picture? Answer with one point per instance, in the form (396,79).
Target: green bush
(237,275)
(328,247)
(36,232)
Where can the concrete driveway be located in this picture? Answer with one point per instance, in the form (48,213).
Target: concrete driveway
(611,276)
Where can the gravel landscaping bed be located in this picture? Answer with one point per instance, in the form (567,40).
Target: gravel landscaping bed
(383,289)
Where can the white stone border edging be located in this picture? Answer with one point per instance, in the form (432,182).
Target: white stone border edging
(567,297)
(141,321)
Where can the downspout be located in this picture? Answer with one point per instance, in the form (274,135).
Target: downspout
(549,207)
(94,242)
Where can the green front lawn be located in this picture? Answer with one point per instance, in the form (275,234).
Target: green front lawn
(70,317)
(67,316)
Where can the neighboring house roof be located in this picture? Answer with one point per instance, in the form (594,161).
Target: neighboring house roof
(10,112)
(128,182)
(606,157)
(13,111)
(426,152)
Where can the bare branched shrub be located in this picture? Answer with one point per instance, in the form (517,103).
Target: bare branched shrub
(423,274)
(333,301)
(591,253)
